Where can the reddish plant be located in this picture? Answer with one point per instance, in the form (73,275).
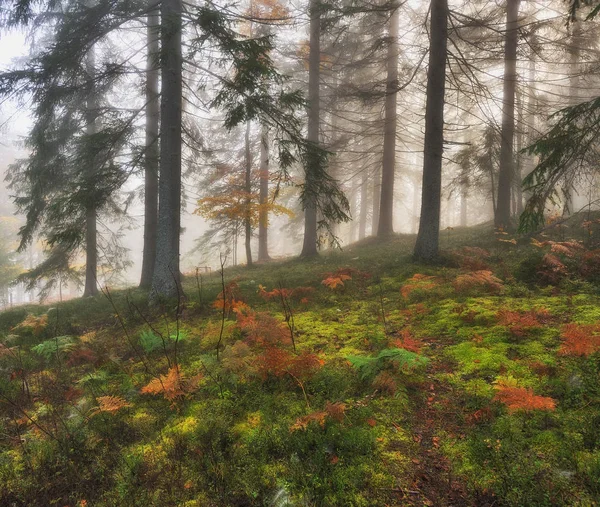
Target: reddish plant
(521,399)
(482,280)
(334,411)
(408,342)
(579,339)
(173,386)
(278,362)
(519,323)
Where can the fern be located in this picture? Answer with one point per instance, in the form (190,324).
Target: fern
(150,341)
(400,359)
(94,378)
(60,344)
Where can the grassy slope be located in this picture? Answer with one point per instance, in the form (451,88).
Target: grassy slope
(411,435)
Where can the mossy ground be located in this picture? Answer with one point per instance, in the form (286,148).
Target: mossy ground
(390,398)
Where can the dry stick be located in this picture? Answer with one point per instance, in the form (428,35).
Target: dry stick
(301,387)
(288,314)
(222,262)
(382,309)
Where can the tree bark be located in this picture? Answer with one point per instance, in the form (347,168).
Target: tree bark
(574,70)
(505,176)
(386,204)
(263,219)
(464,189)
(427,245)
(309,247)
(248,190)
(518,177)
(91,218)
(376,197)
(152,150)
(364,205)
(166,280)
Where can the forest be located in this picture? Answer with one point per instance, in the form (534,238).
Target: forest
(315,253)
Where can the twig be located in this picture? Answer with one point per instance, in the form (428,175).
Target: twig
(222,262)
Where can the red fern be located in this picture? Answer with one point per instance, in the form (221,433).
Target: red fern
(482,280)
(173,386)
(519,323)
(579,340)
(521,399)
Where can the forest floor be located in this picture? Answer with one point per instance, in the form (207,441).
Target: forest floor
(358,378)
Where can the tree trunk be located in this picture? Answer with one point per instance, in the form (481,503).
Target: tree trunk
(376,197)
(309,247)
(166,280)
(248,190)
(386,204)
(364,205)
(152,153)
(427,245)
(464,189)
(505,176)
(91,226)
(574,50)
(518,178)
(263,218)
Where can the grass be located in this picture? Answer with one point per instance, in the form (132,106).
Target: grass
(462,385)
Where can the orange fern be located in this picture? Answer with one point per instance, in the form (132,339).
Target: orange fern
(173,385)
(334,411)
(521,399)
(579,340)
(110,404)
(482,280)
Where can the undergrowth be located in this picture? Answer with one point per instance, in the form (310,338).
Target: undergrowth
(355,379)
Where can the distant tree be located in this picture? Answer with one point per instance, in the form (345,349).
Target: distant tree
(386,202)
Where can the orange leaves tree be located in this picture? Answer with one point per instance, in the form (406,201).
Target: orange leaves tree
(231,204)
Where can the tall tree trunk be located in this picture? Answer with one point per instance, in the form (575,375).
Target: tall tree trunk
(518,177)
(364,205)
(353,198)
(464,189)
(416,203)
(376,197)
(309,247)
(574,71)
(248,190)
(91,226)
(427,245)
(166,280)
(386,204)
(263,219)
(151,153)
(505,176)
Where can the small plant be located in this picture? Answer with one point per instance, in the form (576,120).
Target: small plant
(173,386)
(521,399)
(396,359)
(478,281)
(110,405)
(579,340)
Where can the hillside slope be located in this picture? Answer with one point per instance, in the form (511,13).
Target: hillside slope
(355,379)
